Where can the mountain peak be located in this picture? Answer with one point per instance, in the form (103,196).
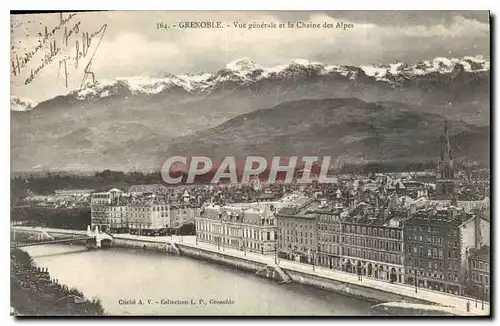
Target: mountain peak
(21,105)
(304,62)
(242,64)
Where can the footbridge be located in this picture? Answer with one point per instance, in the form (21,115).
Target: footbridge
(30,236)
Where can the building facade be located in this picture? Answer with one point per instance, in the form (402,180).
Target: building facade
(329,237)
(372,243)
(148,216)
(241,227)
(479,280)
(474,234)
(102,207)
(298,232)
(181,214)
(118,217)
(432,242)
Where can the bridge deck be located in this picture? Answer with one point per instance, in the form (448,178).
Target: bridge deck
(39,243)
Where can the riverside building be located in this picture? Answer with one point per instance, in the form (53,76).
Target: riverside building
(372,242)
(433,245)
(148,216)
(104,212)
(244,227)
(297,230)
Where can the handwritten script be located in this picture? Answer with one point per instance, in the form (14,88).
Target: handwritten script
(61,51)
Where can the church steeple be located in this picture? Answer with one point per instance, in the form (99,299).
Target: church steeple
(446,146)
(446,169)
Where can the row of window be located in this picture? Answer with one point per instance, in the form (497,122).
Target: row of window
(329,227)
(229,241)
(329,218)
(147,209)
(376,232)
(372,243)
(420,264)
(122,215)
(102,196)
(436,265)
(99,209)
(147,215)
(296,233)
(431,229)
(373,255)
(119,208)
(453,277)
(128,214)
(296,240)
(296,225)
(480,265)
(431,240)
(328,237)
(236,232)
(336,250)
(431,252)
(117,221)
(481,278)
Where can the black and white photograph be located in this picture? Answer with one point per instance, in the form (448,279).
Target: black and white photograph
(250,163)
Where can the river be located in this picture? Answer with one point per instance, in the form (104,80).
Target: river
(184,285)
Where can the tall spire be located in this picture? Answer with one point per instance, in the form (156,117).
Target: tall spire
(446,146)
(445,183)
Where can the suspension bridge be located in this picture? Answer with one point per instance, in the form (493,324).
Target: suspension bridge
(26,237)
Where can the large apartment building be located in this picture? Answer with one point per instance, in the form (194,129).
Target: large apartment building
(103,210)
(372,243)
(479,280)
(148,215)
(329,219)
(247,227)
(297,231)
(433,242)
(181,214)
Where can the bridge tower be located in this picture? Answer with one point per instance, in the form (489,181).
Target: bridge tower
(97,236)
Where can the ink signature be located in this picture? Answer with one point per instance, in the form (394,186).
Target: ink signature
(20,63)
(81,53)
(81,50)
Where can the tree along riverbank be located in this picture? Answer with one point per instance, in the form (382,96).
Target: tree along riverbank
(34,293)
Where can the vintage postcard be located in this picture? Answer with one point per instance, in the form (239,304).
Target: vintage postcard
(250,163)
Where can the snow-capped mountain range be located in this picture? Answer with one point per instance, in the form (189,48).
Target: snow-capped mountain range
(244,72)
(18,104)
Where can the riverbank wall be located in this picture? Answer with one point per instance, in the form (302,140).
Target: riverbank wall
(249,264)
(354,290)
(198,253)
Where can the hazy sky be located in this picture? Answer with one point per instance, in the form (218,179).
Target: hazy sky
(132,46)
